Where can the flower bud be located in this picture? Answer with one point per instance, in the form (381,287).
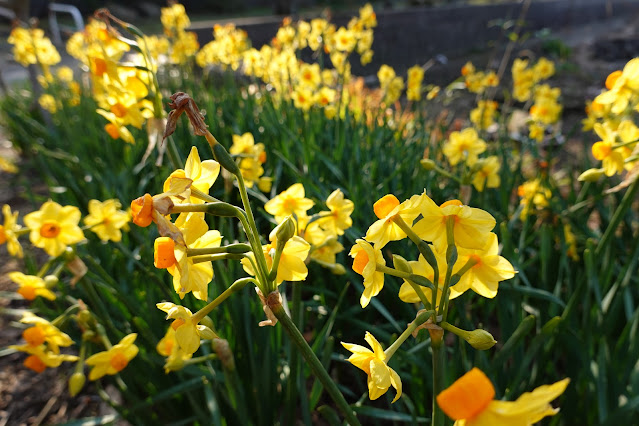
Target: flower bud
(401,264)
(76,383)
(88,335)
(207,321)
(224,158)
(338,269)
(265,183)
(51,281)
(285,230)
(591,175)
(480,339)
(427,163)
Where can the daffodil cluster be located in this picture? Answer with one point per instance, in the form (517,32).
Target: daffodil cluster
(612,115)
(478,81)
(457,252)
(32,47)
(250,157)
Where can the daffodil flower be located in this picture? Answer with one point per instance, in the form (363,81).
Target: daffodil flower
(386,209)
(471,228)
(31,286)
(365,260)
(373,363)
(53,227)
(44,332)
(187,332)
(202,174)
(113,360)
(484,276)
(289,202)
(422,268)
(339,217)
(40,357)
(8,232)
(470,402)
(106,219)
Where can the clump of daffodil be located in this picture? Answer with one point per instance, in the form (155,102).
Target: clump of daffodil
(250,157)
(114,359)
(483,116)
(31,47)
(54,227)
(526,76)
(227,48)
(106,219)
(374,363)
(469,401)
(535,196)
(478,81)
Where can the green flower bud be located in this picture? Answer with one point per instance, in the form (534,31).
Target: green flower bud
(207,321)
(51,281)
(224,158)
(480,339)
(76,383)
(427,163)
(401,264)
(338,269)
(591,175)
(285,230)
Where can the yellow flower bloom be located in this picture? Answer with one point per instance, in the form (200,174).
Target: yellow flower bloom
(202,173)
(114,360)
(187,332)
(487,173)
(365,260)
(44,332)
(106,220)
(53,227)
(623,86)
(40,358)
(490,268)
(48,103)
(533,196)
(422,268)
(465,145)
(386,208)
(339,217)
(8,232)
(611,159)
(373,363)
(484,115)
(471,229)
(187,275)
(414,83)
(169,348)
(31,286)
(470,402)
(289,202)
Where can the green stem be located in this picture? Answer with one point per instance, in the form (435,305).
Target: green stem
(616,218)
(235,287)
(437,345)
(293,384)
(314,363)
(421,318)
(238,248)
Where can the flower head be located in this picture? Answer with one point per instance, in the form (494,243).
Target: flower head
(53,227)
(8,231)
(386,209)
(289,202)
(31,286)
(465,145)
(373,363)
(365,260)
(106,219)
(187,332)
(114,360)
(470,402)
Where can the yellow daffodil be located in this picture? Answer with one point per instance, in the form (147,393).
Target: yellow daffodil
(534,195)
(622,87)
(470,402)
(53,227)
(339,217)
(113,360)
(365,260)
(202,173)
(169,348)
(471,226)
(463,146)
(106,220)
(8,232)
(40,358)
(373,363)
(422,268)
(289,202)
(486,173)
(44,332)
(31,286)
(489,269)
(386,209)
(187,275)
(187,332)
(414,83)
(611,159)
(484,115)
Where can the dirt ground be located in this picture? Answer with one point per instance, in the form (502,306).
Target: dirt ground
(27,398)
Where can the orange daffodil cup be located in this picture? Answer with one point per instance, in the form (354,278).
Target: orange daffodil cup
(457,251)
